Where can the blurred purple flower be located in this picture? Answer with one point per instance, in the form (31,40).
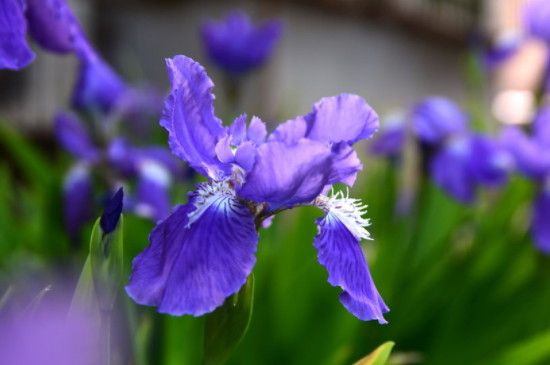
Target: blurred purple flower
(49,337)
(532,157)
(50,22)
(436,118)
(14,50)
(535,18)
(78,199)
(152,166)
(204,251)
(238,46)
(391,137)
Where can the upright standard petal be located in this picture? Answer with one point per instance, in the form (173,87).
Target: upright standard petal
(451,170)
(14,50)
(189,117)
(541,126)
(343,118)
(52,24)
(541,218)
(189,268)
(436,118)
(73,137)
(286,175)
(338,249)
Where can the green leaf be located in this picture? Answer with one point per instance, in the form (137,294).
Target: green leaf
(379,356)
(227,325)
(84,298)
(106,259)
(27,157)
(101,276)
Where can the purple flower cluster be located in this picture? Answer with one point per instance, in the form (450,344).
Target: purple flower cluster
(236,45)
(204,251)
(458,159)
(106,99)
(532,156)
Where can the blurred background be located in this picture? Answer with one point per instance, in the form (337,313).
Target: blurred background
(464,283)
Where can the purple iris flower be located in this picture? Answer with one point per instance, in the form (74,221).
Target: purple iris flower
(238,46)
(467,160)
(436,118)
(152,166)
(457,159)
(204,251)
(532,157)
(50,22)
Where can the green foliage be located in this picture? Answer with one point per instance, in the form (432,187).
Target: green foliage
(379,356)
(227,325)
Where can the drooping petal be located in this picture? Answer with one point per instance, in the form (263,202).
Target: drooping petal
(190,268)
(338,249)
(52,24)
(451,171)
(74,137)
(285,175)
(78,201)
(436,118)
(14,50)
(189,118)
(541,217)
(152,192)
(98,86)
(343,118)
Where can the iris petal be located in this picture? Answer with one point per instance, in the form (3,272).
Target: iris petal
(52,24)
(451,171)
(339,251)
(189,118)
(343,118)
(192,269)
(286,175)
(541,228)
(14,50)
(436,118)
(78,199)
(72,135)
